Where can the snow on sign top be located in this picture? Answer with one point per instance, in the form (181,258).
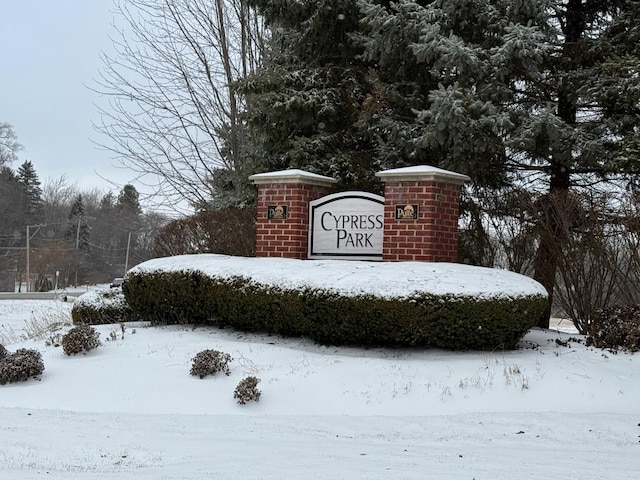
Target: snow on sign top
(294,174)
(386,279)
(422,172)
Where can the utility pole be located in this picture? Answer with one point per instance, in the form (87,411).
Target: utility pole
(28,264)
(126,261)
(28,272)
(77,247)
(78,233)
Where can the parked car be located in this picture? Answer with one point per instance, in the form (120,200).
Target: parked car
(117,282)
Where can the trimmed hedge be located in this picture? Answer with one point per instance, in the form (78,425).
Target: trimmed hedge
(101,307)
(445,321)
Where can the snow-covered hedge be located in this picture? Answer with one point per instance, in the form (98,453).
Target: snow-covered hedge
(340,302)
(99,307)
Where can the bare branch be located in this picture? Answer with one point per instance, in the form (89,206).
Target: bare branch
(9,145)
(171,114)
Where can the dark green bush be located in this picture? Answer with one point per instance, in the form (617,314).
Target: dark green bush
(3,352)
(82,338)
(616,328)
(427,320)
(20,366)
(101,307)
(171,297)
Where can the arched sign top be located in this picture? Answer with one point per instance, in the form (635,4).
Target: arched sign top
(340,196)
(346,225)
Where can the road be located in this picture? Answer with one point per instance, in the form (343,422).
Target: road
(38,295)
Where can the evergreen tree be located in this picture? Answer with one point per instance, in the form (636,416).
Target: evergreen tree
(79,234)
(79,229)
(613,85)
(12,223)
(535,97)
(107,203)
(307,102)
(129,218)
(12,202)
(129,202)
(28,179)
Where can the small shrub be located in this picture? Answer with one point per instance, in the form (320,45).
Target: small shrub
(101,307)
(210,362)
(80,339)
(616,328)
(247,390)
(3,352)
(20,366)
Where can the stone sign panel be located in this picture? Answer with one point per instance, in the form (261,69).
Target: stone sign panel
(346,225)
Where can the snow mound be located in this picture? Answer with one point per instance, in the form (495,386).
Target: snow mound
(382,279)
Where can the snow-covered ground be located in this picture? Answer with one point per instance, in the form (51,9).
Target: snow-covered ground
(130,409)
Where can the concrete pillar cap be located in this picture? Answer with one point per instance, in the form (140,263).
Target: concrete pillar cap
(422,173)
(292,176)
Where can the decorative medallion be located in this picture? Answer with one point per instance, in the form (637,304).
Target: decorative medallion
(407,212)
(277,212)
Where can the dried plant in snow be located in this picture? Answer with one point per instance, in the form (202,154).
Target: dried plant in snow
(247,390)
(210,362)
(80,339)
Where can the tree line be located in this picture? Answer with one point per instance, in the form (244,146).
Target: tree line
(86,236)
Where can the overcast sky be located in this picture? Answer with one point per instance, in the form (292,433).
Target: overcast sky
(50,53)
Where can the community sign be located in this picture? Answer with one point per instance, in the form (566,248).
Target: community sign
(347,225)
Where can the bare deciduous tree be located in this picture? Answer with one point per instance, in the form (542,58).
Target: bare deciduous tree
(9,145)
(172,114)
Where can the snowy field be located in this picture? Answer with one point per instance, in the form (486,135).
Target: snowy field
(130,409)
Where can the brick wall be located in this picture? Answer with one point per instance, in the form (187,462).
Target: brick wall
(288,237)
(433,236)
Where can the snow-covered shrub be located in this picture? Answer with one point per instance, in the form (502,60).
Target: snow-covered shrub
(247,390)
(80,339)
(20,366)
(210,362)
(454,321)
(101,307)
(616,328)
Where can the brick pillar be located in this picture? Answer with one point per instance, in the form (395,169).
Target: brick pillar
(421,212)
(283,211)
